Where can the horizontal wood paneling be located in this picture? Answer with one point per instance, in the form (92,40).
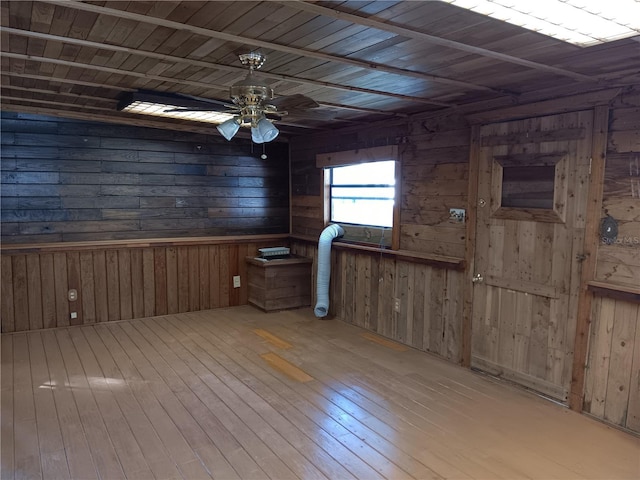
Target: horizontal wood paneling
(612,380)
(434,156)
(619,262)
(365,286)
(67,180)
(121,283)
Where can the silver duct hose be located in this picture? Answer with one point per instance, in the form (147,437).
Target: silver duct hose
(324,268)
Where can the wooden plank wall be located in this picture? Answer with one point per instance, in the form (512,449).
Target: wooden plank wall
(365,286)
(612,377)
(435,162)
(434,155)
(619,263)
(121,283)
(612,383)
(435,168)
(65,180)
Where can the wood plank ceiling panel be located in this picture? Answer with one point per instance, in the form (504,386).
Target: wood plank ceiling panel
(372,56)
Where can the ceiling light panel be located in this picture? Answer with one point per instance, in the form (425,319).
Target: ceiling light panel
(160,110)
(581,22)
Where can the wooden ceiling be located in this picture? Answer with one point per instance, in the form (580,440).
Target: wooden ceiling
(362,61)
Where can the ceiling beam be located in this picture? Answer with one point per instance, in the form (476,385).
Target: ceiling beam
(215,66)
(177,81)
(65,80)
(417,35)
(273,46)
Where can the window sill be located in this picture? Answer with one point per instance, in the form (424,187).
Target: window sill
(441,261)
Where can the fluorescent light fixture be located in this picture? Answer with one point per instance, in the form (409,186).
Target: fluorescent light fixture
(581,22)
(168,106)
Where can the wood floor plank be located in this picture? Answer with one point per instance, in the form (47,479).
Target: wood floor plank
(7,468)
(161,442)
(93,423)
(381,453)
(124,442)
(189,396)
(54,460)
(207,405)
(26,450)
(221,366)
(288,403)
(216,436)
(79,458)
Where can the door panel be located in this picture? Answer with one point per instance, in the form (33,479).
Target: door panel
(527,265)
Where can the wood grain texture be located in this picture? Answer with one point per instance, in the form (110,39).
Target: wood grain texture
(365,286)
(121,283)
(90,181)
(611,380)
(530,276)
(191,396)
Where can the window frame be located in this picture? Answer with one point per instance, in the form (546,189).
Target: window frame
(363,233)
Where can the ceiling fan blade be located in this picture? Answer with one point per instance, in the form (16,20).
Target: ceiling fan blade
(294,102)
(226,108)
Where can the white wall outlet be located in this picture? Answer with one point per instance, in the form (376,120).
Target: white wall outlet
(73,295)
(236,281)
(396,304)
(74,315)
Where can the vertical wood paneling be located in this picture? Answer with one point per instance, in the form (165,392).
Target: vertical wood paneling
(205,278)
(88,287)
(113,284)
(612,388)
(172,280)
(364,287)
(20,292)
(194,278)
(124,282)
(48,291)
(120,283)
(61,288)
(137,284)
(6,295)
(149,282)
(223,276)
(160,268)
(214,276)
(183,279)
(34,285)
(101,288)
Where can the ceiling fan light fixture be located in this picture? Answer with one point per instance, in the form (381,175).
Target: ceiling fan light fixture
(229,128)
(267,130)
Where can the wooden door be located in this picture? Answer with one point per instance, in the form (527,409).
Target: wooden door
(532,197)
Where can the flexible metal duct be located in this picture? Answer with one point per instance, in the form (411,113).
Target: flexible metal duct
(324,268)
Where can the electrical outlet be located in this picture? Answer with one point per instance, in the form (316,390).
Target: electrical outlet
(396,304)
(236,281)
(73,295)
(457,214)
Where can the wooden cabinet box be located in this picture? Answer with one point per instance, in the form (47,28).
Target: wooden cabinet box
(279,284)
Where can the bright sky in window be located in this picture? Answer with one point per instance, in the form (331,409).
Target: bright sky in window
(581,22)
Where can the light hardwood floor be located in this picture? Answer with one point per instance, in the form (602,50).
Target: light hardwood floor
(237,393)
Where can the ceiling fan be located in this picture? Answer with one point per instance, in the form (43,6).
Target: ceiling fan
(253,104)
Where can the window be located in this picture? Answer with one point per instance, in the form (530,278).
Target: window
(363,194)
